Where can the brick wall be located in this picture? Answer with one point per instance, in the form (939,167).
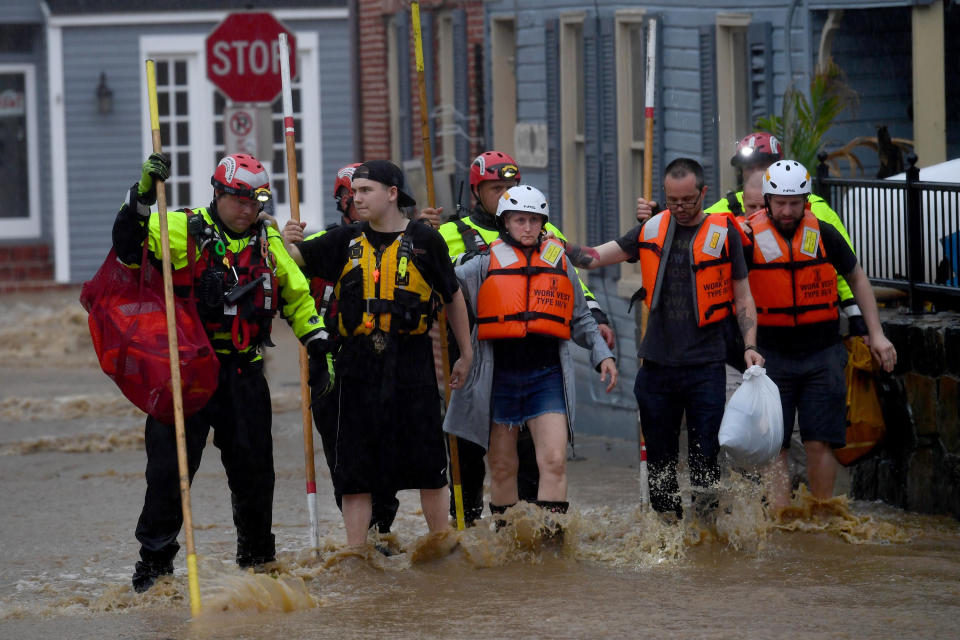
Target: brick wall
(373,20)
(25,267)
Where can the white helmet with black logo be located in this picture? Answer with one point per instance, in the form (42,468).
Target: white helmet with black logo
(786,178)
(523,197)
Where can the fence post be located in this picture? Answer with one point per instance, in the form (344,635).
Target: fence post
(914,233)
(823,172)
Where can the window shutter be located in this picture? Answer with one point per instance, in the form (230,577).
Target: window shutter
(461,99)
(554,157)
(608,184)
(403,84)
(429,75)
(708,107)
(591,126)
(759,50)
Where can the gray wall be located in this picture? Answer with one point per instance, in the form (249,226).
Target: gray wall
(104,152)
(25,17)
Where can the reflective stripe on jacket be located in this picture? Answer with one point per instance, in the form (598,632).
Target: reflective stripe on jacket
(792,281)
(522,295)
(711,269)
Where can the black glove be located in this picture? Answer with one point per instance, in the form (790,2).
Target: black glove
(321,367)
(857,326)
(156,167)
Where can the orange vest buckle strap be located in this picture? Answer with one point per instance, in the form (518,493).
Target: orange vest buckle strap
(522,296)
(792,281)
(712,270)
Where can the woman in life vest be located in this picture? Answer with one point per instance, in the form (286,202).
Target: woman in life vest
(527,310)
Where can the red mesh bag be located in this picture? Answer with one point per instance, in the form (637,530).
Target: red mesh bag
(128,326)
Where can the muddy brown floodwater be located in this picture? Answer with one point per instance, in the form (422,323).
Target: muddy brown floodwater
(71,467)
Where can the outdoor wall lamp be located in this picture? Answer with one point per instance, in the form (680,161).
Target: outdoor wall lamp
(104,96)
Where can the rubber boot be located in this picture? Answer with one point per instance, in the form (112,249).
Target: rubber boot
(552,530)
(496,510)
(152,565)
(251,554)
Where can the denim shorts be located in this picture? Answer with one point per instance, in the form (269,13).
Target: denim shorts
(519,396)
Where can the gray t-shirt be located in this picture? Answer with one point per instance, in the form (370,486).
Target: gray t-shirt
(673,336)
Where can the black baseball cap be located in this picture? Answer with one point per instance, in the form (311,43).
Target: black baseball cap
(385,172)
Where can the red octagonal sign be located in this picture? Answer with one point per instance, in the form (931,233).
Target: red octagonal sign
(243,57)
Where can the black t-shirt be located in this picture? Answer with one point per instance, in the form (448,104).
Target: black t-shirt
(673,335)
(810,338)
(408,359)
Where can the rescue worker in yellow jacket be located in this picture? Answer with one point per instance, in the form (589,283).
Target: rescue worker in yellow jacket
(794,264)
(694,276)
(241,276)
(491,174)
(528,308)
(391,275)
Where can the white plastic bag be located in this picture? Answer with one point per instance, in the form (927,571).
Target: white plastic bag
(751,431)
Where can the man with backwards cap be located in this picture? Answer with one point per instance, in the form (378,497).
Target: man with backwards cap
(324,405)
(391,275)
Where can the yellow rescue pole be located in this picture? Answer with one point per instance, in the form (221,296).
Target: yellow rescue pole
(294,191)
(431,200)
(192,579)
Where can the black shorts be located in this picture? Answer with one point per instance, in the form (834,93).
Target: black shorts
(813,389)
(388,443)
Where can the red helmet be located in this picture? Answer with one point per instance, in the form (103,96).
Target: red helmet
(493,165)
(241,175)
(757,147)
(344,181)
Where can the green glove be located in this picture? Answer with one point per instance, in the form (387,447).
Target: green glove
(321,368)
(156,167)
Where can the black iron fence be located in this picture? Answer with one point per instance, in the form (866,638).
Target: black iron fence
(906,232)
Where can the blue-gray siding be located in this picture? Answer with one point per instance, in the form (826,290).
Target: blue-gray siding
(104,152)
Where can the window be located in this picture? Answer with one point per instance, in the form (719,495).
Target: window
(19,215)
(190,113)
(733,92)
(445,119)
(630,43)
(174,115)
(572,120)
(504,87)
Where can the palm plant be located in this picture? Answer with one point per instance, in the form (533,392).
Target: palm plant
(804,123)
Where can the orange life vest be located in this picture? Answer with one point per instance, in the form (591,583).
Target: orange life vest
(712,271)
(791,280)
(521,296)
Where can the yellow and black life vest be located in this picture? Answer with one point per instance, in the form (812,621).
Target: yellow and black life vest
(792,282)
(521,295)
(383,290)
(712,271)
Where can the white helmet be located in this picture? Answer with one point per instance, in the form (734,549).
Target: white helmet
(786,178)
(523,197)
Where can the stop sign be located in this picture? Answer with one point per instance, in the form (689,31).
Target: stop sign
(243,57)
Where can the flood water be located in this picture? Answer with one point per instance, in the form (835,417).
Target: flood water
(71,465)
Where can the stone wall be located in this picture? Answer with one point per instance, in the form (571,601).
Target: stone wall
(917,467)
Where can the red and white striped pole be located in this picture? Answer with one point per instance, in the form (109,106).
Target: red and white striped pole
(294,191)
(649,86)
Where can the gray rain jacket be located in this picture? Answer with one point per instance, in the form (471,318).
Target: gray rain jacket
(470,410)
